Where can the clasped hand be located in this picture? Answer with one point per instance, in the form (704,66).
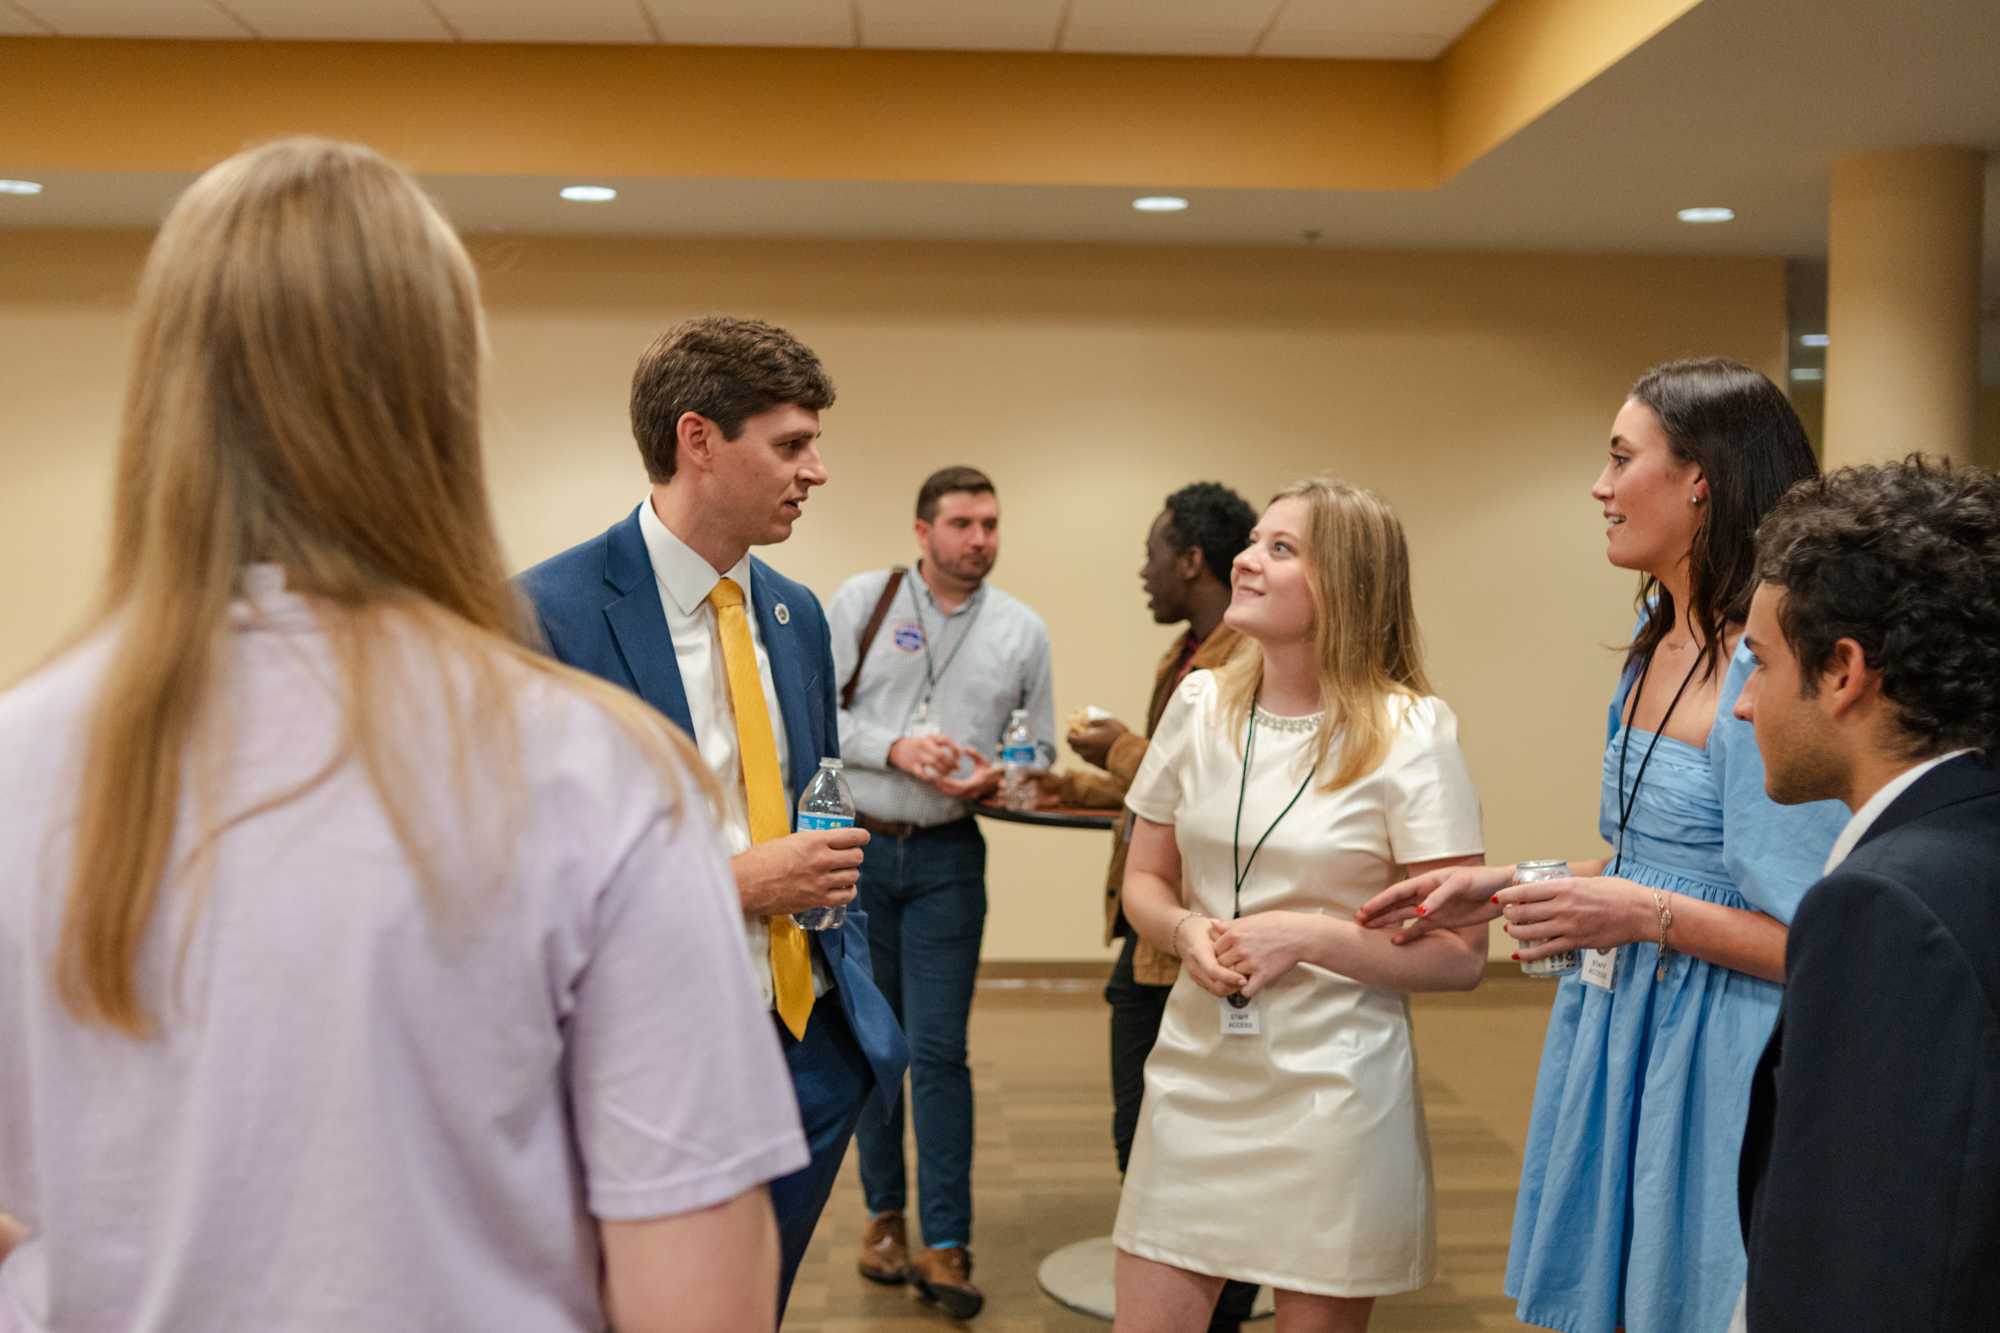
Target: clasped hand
(1247,954)
(816,868)
(933,757)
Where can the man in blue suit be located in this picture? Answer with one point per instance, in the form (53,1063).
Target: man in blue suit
(726,415)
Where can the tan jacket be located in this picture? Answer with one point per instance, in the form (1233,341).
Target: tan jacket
(1107,787)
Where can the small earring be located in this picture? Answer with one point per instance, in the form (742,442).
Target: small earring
(1694,500)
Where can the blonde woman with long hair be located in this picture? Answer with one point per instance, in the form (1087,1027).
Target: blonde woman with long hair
(362,968)
(1281,1140)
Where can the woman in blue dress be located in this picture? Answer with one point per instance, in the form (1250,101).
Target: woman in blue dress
(1626,1215)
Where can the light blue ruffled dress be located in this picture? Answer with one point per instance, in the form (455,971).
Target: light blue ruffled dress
(1627,1212)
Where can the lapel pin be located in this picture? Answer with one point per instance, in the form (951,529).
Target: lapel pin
(783,613)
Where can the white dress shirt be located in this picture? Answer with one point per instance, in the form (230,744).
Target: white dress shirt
(685,579)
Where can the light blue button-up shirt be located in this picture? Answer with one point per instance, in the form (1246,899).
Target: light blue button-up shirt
(998,655)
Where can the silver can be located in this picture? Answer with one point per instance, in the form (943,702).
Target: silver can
(1556,964)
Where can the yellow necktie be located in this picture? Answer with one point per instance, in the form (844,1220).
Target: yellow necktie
(764,793)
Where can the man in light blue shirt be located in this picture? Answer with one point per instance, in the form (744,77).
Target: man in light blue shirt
(949,659)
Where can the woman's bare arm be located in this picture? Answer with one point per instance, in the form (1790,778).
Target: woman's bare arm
(1266,945)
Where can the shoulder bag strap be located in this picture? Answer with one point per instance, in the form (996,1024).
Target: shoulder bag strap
(874,626)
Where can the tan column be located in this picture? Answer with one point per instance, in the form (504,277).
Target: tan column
(1902,357)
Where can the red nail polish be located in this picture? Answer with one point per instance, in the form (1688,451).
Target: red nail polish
(1495,899)
(1423,911)
(1516,957)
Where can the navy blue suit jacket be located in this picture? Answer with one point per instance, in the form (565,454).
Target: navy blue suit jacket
(1871,1160)
(599,609)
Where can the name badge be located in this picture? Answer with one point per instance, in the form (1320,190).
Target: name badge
(1599,967)
(1239,1017)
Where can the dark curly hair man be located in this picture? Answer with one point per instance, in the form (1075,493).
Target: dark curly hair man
(1871,1160)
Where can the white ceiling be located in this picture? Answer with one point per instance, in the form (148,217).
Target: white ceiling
(1742,102)
(1351,29)
(1739,103)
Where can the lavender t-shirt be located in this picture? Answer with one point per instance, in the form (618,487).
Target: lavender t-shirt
(362,1112)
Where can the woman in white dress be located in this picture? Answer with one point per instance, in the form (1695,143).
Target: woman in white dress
(1282,1136)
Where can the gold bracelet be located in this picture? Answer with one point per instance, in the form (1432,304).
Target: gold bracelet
(1666,920)
(1175,938)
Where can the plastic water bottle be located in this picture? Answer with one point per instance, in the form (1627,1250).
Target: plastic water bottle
(1017,760)
(826,804)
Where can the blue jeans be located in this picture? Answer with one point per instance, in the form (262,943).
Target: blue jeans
(925,896)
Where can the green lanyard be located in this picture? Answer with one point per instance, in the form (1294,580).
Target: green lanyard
(1241,866)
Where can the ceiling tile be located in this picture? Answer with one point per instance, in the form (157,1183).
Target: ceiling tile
(1167,27)
(1370,29)
(1216,14)
(754,22)
(546,20)
(348,21)
(956,36)
(1354,45)
(995,25)
(133,18)
(1117,39)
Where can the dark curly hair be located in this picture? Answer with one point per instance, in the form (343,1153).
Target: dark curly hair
(1210,515)
(1741,431)
(725,369)
(1903,558)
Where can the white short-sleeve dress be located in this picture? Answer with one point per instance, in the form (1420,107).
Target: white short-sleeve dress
(1295,1158)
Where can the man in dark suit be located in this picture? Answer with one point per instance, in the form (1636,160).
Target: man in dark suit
(669,603)
(1871,1162)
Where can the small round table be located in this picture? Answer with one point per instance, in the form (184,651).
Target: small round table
(1079,1275)
(1052,816)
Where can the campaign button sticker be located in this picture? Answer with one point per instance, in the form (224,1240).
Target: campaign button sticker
(909,636)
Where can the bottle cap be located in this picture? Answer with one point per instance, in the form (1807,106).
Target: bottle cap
(830,763)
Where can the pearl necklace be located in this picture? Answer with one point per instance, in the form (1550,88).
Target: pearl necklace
(1296,725)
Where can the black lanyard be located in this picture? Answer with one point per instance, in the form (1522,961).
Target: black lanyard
(1625,802)
(1241,867)
(934,673)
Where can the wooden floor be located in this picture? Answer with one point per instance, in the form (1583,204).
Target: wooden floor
(1044,1174)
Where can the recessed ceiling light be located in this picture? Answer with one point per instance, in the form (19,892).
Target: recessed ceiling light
(1160,203)
(1812,340)
(1699,215)
(589,194)
(1807,374)
(20,187)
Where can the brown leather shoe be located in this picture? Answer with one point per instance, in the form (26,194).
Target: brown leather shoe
(885,1250)
(945,1276)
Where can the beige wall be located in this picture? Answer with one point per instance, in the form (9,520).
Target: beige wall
(1474,391)
(1810,401)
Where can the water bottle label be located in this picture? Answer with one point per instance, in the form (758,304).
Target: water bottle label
(1018,754)
(822,918)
